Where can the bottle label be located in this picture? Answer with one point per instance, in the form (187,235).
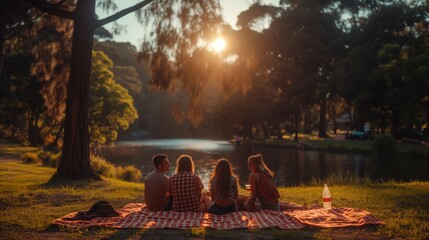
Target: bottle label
(326,199)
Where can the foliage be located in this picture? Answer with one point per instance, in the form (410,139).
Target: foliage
(30,158)
(102,167)
(111,106)
(49,159)
(43,158)
(384,144)
(129,174)
(176,50)
(106,169)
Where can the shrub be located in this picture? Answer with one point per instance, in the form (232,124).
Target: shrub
(384,144)
(49,159)
(129,174)
(102,167)
(30,157)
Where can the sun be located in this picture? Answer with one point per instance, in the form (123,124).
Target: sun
(219,44)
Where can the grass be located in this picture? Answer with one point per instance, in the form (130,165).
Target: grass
(12,149)
(29,203)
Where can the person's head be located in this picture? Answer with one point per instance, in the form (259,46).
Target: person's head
(185,164)
(256,163)
(222,174)
(223,168)
(161,162)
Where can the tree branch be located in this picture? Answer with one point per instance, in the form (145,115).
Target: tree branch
(53,9)
(60,3)
(122,13)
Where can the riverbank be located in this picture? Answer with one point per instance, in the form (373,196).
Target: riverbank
(340,145)
(29,203)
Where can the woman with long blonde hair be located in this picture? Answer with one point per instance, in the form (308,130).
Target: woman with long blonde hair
(223,188)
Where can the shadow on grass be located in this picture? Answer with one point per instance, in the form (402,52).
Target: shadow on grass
(365,232)
(57,181)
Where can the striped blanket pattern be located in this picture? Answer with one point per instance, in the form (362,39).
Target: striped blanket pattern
(136,215)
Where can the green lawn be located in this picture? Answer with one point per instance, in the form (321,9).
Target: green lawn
(28,205)
(14,149)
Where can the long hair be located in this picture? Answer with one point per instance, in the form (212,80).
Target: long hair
(223,175)
(258,160)
(185,163)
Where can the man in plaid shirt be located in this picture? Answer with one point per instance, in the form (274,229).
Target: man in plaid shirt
(185,186)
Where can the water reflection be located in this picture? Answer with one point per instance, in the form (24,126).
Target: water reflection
(292,167)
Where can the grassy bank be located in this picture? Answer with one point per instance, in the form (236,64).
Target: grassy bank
(29,204)
(344,146)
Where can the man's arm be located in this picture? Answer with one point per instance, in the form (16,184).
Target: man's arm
(250,202)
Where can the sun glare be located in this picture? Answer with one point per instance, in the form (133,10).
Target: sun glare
(218,45)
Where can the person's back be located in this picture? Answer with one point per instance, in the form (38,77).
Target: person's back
(185,186)
(266,190)
(223,188)
(262,186)
(156,187)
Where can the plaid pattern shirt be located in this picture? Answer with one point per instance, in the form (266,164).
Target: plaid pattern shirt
(266,188)
(184,187)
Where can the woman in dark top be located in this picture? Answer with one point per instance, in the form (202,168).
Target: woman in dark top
(223,188)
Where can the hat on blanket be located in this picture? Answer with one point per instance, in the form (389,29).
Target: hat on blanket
(102,209)
(106,210)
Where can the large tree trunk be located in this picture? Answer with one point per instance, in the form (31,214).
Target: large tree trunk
(322,119)
(75,162)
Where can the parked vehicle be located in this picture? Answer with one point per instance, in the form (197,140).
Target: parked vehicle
(358,135)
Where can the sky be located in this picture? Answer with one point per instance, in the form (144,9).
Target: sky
(134,35)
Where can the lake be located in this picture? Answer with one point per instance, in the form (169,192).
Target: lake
(291,166)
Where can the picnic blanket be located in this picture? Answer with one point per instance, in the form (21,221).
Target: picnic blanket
(136,215)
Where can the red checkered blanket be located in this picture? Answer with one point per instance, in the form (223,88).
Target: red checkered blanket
(336,217)
(136,215)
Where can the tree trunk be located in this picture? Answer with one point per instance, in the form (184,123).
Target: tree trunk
(322,119)
(2,37)
(53,146)
(395,122)
(75,162)
(33,130)
(350,120)
(1,53)
(296,127)
(279,129)
(334,115)
(247,127)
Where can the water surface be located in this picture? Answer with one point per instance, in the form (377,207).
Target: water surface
(292,166)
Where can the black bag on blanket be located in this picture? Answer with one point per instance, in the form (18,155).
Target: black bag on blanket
(99,209)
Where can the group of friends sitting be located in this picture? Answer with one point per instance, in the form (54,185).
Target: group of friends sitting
(183,192)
